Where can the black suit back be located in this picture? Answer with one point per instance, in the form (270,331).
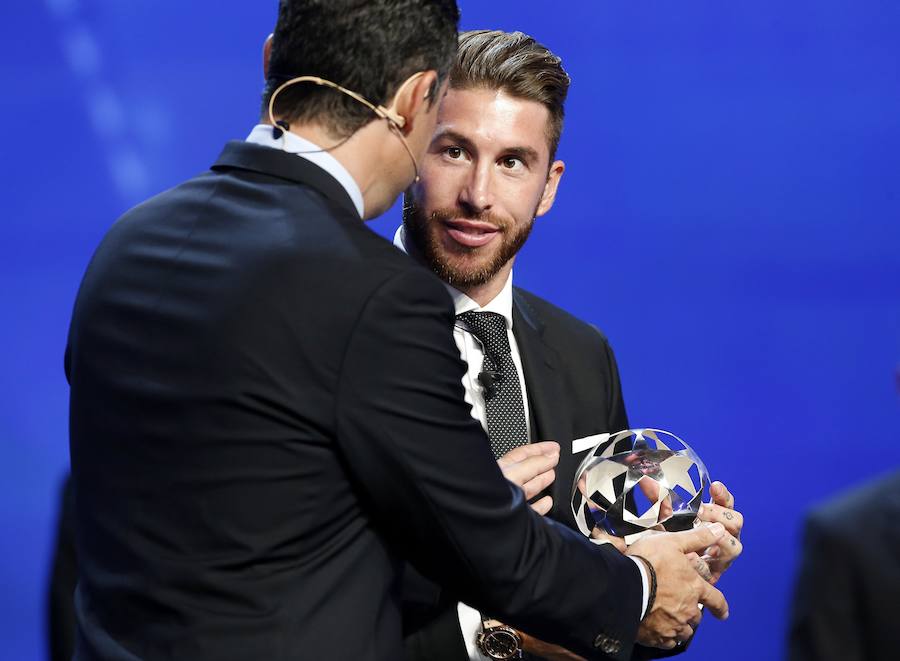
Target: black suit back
(266,417)
(211,360)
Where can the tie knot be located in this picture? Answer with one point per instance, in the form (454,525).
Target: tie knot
(490,329)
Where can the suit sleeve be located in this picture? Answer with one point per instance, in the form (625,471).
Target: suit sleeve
(63,578)
(425,469)
(439,640)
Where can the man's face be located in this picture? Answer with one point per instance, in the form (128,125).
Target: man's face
(484,179)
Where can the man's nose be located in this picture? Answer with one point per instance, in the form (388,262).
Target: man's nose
(477,195)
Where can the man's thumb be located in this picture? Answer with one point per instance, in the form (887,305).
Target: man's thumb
(699,538)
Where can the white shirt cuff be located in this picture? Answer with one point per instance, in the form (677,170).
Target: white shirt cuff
(645,586)
(470,625)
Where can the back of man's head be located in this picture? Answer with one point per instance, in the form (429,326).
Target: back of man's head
(514,63)
(368,46)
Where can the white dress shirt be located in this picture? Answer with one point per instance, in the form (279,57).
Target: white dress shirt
(294,144)
(471,351)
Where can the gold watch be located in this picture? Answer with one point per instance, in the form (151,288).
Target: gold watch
(498,641)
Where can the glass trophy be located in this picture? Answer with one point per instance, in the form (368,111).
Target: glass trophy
(638,481)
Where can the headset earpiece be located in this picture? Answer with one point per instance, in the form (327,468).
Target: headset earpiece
(395,120)
(392,116)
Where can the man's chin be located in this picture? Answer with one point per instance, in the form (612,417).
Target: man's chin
(464,273)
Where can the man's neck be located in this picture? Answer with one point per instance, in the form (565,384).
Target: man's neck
(359,154)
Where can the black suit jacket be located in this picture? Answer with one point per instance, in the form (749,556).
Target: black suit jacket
(267,419)
(574,391)
(848,587)
(573,386)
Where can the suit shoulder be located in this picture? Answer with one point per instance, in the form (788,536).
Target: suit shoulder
(874,502)
(556,319)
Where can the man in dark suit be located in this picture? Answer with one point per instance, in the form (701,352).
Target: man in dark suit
(848,583)
(266,411)
(490,171)
(848,586)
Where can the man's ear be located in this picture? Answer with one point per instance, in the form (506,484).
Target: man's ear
(549,195)
(414,96)
(267,53)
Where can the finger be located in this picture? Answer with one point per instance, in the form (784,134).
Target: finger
(540,482)
(522,452)
(685,633)
(698,538)
(695,619)
(721,495)
(702,568)
(528,469)
(618,542)
(729,548)
(650,489)
(713,599)
(543,505)
(731,519)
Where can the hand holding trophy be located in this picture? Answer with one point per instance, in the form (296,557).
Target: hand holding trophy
(635,484)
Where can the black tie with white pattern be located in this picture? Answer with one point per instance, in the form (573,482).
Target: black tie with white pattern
(500,381)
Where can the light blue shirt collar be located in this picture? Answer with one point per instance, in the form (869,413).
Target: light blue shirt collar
(294,144)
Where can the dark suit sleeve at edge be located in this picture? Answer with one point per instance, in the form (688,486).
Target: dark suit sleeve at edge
(824,622)
(424,467)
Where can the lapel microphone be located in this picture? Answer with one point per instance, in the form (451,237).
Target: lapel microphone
(490,380)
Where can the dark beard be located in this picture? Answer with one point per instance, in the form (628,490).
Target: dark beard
(420,231)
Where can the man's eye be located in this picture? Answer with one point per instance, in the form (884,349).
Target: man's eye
(453,152)
(511,162)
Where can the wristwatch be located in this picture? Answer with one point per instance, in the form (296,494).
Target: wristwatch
(498,641)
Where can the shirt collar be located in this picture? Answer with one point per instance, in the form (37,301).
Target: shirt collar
(502,303)
(294,144)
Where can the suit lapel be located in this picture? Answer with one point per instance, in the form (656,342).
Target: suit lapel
(547,402)
(550,407)
(542,378)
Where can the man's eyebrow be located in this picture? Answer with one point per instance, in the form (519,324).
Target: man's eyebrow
(528,154)
(453,136)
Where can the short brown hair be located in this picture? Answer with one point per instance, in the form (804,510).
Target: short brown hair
(514,63)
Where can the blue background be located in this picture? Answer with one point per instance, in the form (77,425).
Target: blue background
(729,217)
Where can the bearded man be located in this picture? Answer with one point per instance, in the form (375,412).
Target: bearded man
(534,371)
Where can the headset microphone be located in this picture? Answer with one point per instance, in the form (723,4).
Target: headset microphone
(395,121)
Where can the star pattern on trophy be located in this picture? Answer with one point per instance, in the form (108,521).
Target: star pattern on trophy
(639,480)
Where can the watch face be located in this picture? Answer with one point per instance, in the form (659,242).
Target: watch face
(501,644)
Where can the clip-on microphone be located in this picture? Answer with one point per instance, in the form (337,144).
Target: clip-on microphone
(490,380)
